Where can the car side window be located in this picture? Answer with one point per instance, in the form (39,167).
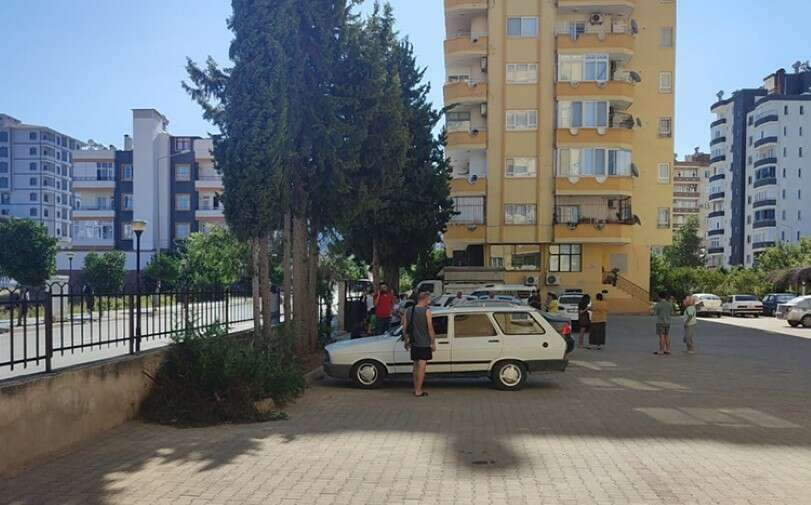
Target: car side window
(472,325)
(440,326)
(518,323)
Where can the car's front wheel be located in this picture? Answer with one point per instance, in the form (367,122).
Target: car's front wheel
(794,324)
(509,375)
(368,374)
(806,321)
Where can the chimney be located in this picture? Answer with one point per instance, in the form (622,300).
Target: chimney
(127,143)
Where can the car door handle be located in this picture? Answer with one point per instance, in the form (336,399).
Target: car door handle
(494,341)
(441,341)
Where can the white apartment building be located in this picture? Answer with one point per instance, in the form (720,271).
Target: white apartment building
(690,178)
(35,175)
(166,180)
(759,169)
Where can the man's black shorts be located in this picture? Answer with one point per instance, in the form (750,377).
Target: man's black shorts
(421,354)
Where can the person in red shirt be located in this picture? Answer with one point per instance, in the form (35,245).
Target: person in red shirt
(384,302)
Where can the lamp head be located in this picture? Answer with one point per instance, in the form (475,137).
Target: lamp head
(138,225)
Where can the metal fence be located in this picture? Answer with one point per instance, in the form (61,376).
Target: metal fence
(39,325)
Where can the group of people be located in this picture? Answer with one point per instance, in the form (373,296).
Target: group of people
(664,310)
(592,317)
(383,309)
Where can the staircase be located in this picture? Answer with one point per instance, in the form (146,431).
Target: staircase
(638,293)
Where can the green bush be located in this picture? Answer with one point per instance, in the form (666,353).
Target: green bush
(210,378)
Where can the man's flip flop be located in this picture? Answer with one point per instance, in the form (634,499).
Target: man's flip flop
(421,394)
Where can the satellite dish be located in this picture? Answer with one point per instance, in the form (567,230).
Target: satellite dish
(637,220)
(720,95)
(796,66)
(634,170)
(635,77)
(639,122)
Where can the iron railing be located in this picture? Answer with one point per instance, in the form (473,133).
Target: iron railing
(39,327)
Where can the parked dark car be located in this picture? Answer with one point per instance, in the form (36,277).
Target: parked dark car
(772,300)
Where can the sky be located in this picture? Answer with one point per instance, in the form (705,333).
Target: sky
(81,70)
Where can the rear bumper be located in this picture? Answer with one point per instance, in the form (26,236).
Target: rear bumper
(708,310)
(547,365)
(753,311)
(337,371)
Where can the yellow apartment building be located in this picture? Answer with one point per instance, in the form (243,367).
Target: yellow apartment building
(561,140)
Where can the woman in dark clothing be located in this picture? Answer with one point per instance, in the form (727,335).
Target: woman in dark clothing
(599,318)
(583,320)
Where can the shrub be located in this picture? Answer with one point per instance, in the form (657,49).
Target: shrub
(209,378)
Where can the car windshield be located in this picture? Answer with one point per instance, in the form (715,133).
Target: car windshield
(746,298)
(785,298)
(570,300)
(710,297)
(396,331)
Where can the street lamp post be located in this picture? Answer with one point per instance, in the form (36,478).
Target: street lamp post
(138,227)
(70,255)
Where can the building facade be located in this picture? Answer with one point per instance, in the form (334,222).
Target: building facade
(166,180)
(36,175)
(759,144)
(560,138)
(690,179)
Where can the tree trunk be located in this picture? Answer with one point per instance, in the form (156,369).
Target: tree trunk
(391,275)
(288,274)
(312,285)
(264,285)
(300,283)
(375,264)
(255,294)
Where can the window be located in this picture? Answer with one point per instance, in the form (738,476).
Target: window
(126,201)
(472,325)
(32,151)
(785,110)
(470,210)
(3,183)
(801,152)
(801,131)
(182,173)
(3,136)
(599,162)
(3,167)
(583,67)
(32,136)
(183,201)
(523,27)
(764,215)
(517,323)
(664,173)
(32,166)
(458,121)
(126,172)
(33,181)
(785,152)
(32,197)
(802,109)
(182,144)
(516,257)
(32,211)
(45,213)
(666,39)
(665,127)
(126,231)
(182,230)
(522,119)
(522,73)
(521,167)
(565,258)
(665,82)
(440,324)
(663,217)
(3,152)
(519,213)
(582,114)
(104,171)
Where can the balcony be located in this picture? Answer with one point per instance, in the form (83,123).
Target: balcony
(716,213)
(718,122)
(763,245)
(619,131)
(473,138)
(718,140)
(765,161)
(208,211)
(766,223)
(461,185)
(94,182)
(618,44)
(585,186)
(468,233)
(620,92)
(465,92)
(685,210)
(715,196)
(606,6)
(581,221)
(466,45)
(766,119)
(465,5)
(208,182)
(717,177)
(682,178)
(686,194)
(764,203)
(718,159)
(771,181)
(93,210)
(765,140)
(715,250)
(714,233)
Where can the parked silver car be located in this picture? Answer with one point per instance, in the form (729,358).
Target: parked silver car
(797,312)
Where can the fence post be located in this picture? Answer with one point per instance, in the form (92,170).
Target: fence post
(131,317)
(227,318)
(49,330)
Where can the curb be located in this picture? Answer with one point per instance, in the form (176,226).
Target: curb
(314,375)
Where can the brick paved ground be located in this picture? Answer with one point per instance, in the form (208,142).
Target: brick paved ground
(727,426)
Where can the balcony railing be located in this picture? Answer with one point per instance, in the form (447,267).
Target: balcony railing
(215,178)
(209,206)
(95,206)
(470,211)
(770,181)
(99,178)
(765,223)
(572,214)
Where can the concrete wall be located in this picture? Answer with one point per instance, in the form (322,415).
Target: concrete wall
(46,414)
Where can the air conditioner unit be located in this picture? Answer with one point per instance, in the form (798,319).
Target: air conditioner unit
(530,280)
(596,19)
(552,280)
(484,63)
(484,109)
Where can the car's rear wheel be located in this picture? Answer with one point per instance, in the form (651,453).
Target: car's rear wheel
(509,375)
(368,374)
(794,324)
(806,321)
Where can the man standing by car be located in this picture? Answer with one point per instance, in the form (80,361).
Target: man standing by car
(384,303)
(418,331)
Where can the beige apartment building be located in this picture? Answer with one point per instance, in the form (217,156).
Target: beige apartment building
(560,137)
(690,180)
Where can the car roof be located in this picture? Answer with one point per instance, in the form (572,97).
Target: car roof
(478,308)
(799,299)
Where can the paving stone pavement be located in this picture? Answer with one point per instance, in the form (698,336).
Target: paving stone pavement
(729,426)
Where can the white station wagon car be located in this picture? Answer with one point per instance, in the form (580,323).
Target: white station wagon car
(707,304)
(742,305)
(796,312)
(505,343)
